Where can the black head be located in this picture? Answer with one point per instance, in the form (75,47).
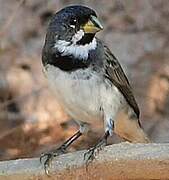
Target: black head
(74,19)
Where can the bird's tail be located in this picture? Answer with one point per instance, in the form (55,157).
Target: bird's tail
(130,129)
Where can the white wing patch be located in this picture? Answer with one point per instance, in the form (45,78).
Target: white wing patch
(78,51)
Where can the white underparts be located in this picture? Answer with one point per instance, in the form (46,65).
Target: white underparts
(78,51)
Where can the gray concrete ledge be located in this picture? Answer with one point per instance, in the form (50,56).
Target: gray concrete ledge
(119,161)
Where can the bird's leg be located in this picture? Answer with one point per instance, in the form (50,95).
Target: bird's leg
(90,154)
(61,150)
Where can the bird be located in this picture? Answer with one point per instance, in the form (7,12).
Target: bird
(88,80)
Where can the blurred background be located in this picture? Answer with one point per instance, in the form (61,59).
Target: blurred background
(31,120)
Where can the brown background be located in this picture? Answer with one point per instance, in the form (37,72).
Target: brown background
(136,31)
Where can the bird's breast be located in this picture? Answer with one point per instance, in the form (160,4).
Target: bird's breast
(77,91)
(85,95)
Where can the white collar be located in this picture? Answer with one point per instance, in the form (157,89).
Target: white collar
(78,51)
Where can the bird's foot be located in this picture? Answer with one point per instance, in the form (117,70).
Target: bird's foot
(90,155)
(61,150)
(49,157)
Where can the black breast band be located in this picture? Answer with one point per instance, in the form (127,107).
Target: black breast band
(67,63)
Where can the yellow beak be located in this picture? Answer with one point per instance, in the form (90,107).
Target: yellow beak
(92,26)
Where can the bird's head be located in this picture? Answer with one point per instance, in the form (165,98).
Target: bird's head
(74,29)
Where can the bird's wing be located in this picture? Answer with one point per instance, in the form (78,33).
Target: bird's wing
(116,75)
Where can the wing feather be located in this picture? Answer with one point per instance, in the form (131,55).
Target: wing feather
(116,75)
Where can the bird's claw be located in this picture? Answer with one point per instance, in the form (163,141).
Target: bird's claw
(49,157)
(89,156)
(48,160)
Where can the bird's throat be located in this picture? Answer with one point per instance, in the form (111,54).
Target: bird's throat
(86,39)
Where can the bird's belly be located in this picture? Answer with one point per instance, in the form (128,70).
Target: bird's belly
(78,92)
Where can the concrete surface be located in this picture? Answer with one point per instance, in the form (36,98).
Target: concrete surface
(118,161)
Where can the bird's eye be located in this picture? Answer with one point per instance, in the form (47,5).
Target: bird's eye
(73,23)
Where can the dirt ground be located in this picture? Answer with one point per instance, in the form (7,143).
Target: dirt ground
(31,120)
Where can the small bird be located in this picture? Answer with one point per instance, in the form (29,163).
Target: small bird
(88,80)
